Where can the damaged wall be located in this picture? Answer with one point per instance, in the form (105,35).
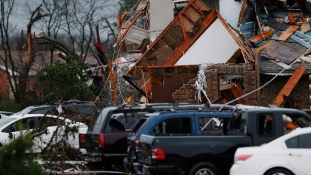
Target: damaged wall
(187,93)
(300,94)
(247,71)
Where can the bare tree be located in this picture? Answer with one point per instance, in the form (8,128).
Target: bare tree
(32,49)
(51,25)
(6,10)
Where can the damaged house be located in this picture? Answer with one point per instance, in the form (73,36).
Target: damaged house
(264,60)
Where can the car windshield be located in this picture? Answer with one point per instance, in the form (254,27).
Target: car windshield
(25,111)
(5,121)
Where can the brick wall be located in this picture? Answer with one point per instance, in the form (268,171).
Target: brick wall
(186,93)
(4,85)
(250,84)
(32,86)
(300,94)
(212,84)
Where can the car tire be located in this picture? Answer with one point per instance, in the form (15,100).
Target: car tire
(279,172)
(204,168)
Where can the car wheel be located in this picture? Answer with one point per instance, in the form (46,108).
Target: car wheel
(204,168)
(279,172)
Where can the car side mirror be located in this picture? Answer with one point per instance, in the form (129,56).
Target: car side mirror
(10,134)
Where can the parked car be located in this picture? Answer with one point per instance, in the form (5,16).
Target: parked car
(78,110)
(17,125)
(106,138)
(170,147)
(287,155)
(5,114)
(141,128)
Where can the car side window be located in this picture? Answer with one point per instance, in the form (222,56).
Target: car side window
(292,121)
(266,123)
(10,128)
(211,126)
(49,121)
(301,141)
(178,126)
(238,125)
(23,124)
(29,123)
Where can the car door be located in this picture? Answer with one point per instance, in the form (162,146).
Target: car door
(298,153)
(50,124)
(16,129)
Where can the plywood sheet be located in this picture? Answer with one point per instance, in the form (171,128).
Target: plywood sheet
(283,51)
(288,32)
(163,54)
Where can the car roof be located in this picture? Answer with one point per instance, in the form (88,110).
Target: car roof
(267,109)
(18,116)
(223,114)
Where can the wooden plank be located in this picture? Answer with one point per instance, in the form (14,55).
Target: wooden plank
(258,49)
(237,92)
(211,17)
(303,18)
(259,37)
(128,28)
(291,18)
(289,86)
(113,90)
(147,86)
(288,33)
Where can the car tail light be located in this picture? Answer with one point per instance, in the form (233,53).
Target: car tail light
(136,143)
(242,158)
(82,140)
(158,154)
(101,140)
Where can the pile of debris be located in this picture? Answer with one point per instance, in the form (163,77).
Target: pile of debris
(271,38)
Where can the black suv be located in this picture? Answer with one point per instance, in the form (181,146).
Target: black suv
(108,132)
(78,110)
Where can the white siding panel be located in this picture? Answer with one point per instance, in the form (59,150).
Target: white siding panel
(214,46)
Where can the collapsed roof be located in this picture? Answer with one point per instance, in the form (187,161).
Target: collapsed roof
(275,35)
(197,34)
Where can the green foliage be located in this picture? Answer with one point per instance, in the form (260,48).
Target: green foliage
(65,81)
(15,161)
(126,5)
(9,105)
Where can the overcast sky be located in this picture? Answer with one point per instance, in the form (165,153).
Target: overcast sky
(22,12)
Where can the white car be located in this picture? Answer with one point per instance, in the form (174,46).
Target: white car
(286,155)
(9,129)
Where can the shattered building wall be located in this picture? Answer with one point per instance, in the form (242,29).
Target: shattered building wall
(300,94)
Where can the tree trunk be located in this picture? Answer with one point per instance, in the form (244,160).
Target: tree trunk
(32,49)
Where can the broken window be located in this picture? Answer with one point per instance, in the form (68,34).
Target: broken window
(211,126)
(266,124)
(238,125)
(293,121)
(173,126)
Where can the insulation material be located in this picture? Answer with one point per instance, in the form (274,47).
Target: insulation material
(214,46)
(201,83)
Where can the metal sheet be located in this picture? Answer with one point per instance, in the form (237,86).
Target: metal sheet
(283,51)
